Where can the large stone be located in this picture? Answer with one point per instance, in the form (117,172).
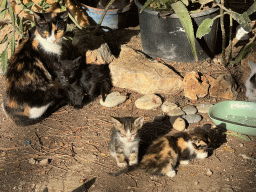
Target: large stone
(194,86)
(223,87)
(93,47)
(150,101)
(134,71)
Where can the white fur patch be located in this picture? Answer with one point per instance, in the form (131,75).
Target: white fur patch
(250,87)
(202,155)
(37,112)
(184,162)
(49,44)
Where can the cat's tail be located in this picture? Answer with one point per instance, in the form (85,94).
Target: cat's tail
(126,170)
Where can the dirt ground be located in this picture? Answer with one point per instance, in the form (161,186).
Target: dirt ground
(69,150)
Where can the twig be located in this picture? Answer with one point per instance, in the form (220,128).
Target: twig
(223,34)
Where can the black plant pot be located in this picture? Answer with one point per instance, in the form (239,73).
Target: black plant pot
(165,38)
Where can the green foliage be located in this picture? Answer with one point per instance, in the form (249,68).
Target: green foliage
(238,135)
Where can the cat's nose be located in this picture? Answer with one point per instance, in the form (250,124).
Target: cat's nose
(128,139)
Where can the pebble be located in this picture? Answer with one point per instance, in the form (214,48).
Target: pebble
(113,99)
(33,161)
(178,123)
(204,108)
(176,112)
(192,118)
(168,106)
(189,109)
(209,172)
(150,101)
(44,162)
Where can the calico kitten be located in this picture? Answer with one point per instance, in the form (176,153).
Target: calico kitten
(118,4)
(124,144)
(83,82)
(250,83)
(165,153)
(30,86)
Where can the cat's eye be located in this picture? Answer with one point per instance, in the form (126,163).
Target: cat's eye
(45,32)
(58,31)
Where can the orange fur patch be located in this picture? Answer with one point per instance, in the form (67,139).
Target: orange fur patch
(182,144)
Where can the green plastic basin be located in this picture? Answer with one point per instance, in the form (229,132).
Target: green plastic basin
(237,116)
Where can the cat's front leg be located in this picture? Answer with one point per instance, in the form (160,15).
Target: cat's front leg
(120,159)
(133,159)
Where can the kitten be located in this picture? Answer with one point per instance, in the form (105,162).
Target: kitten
(118,4)
(124,144)
(165,153)
(31,90)
(250,83)
(83,82)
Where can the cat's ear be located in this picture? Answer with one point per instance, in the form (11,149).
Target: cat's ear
(39,18)
(117,123)
(139,122)
(63,15)
(251,65)
(78,61)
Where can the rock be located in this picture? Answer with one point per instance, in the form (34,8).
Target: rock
(192,118)
(160,118)
(44,162)
(113,99)
(134,71)
(93,47)
(209,172)
(32,161)
(168,106)
(194,87)
(150,101)
(223,87)
(178,123)
(176,112)
(189,109)
(204,108)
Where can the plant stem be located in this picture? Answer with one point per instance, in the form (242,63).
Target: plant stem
(230,39)
(223,34)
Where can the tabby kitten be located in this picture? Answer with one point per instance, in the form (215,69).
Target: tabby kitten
(124,144)
(31,90)
(165,153)
(83,82)
(250,83)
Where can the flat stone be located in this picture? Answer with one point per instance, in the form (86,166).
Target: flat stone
(189,109)
(204,107)
(149,101)
(113,99)
(132,70)
(178,123)
(194,86)
(176,112)
(192,118)
(168,106)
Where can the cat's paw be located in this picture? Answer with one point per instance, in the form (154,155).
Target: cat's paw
(171,173)
(184,162)
(133,162)
(202,155)
(122,164)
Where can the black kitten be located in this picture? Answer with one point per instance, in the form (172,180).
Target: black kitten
(83,82)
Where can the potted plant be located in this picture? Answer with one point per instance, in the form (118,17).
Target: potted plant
(168,29)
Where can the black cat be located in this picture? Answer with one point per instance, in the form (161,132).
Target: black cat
(83,82)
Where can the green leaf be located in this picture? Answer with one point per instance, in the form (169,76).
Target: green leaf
(12,16)
(4,39)
(203,2)
(4,6)
(12,43)
(204,28)
(185,19)
(29,4)
(147,3)
(185,2)
(4,60)
(252,9)
(20,24)
(238,135)
(245,51)
(63,8)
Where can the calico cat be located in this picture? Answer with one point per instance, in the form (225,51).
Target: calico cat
(124,144)
(165,153)
(250,83)
(83,82)
(30,87)
(118,4)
